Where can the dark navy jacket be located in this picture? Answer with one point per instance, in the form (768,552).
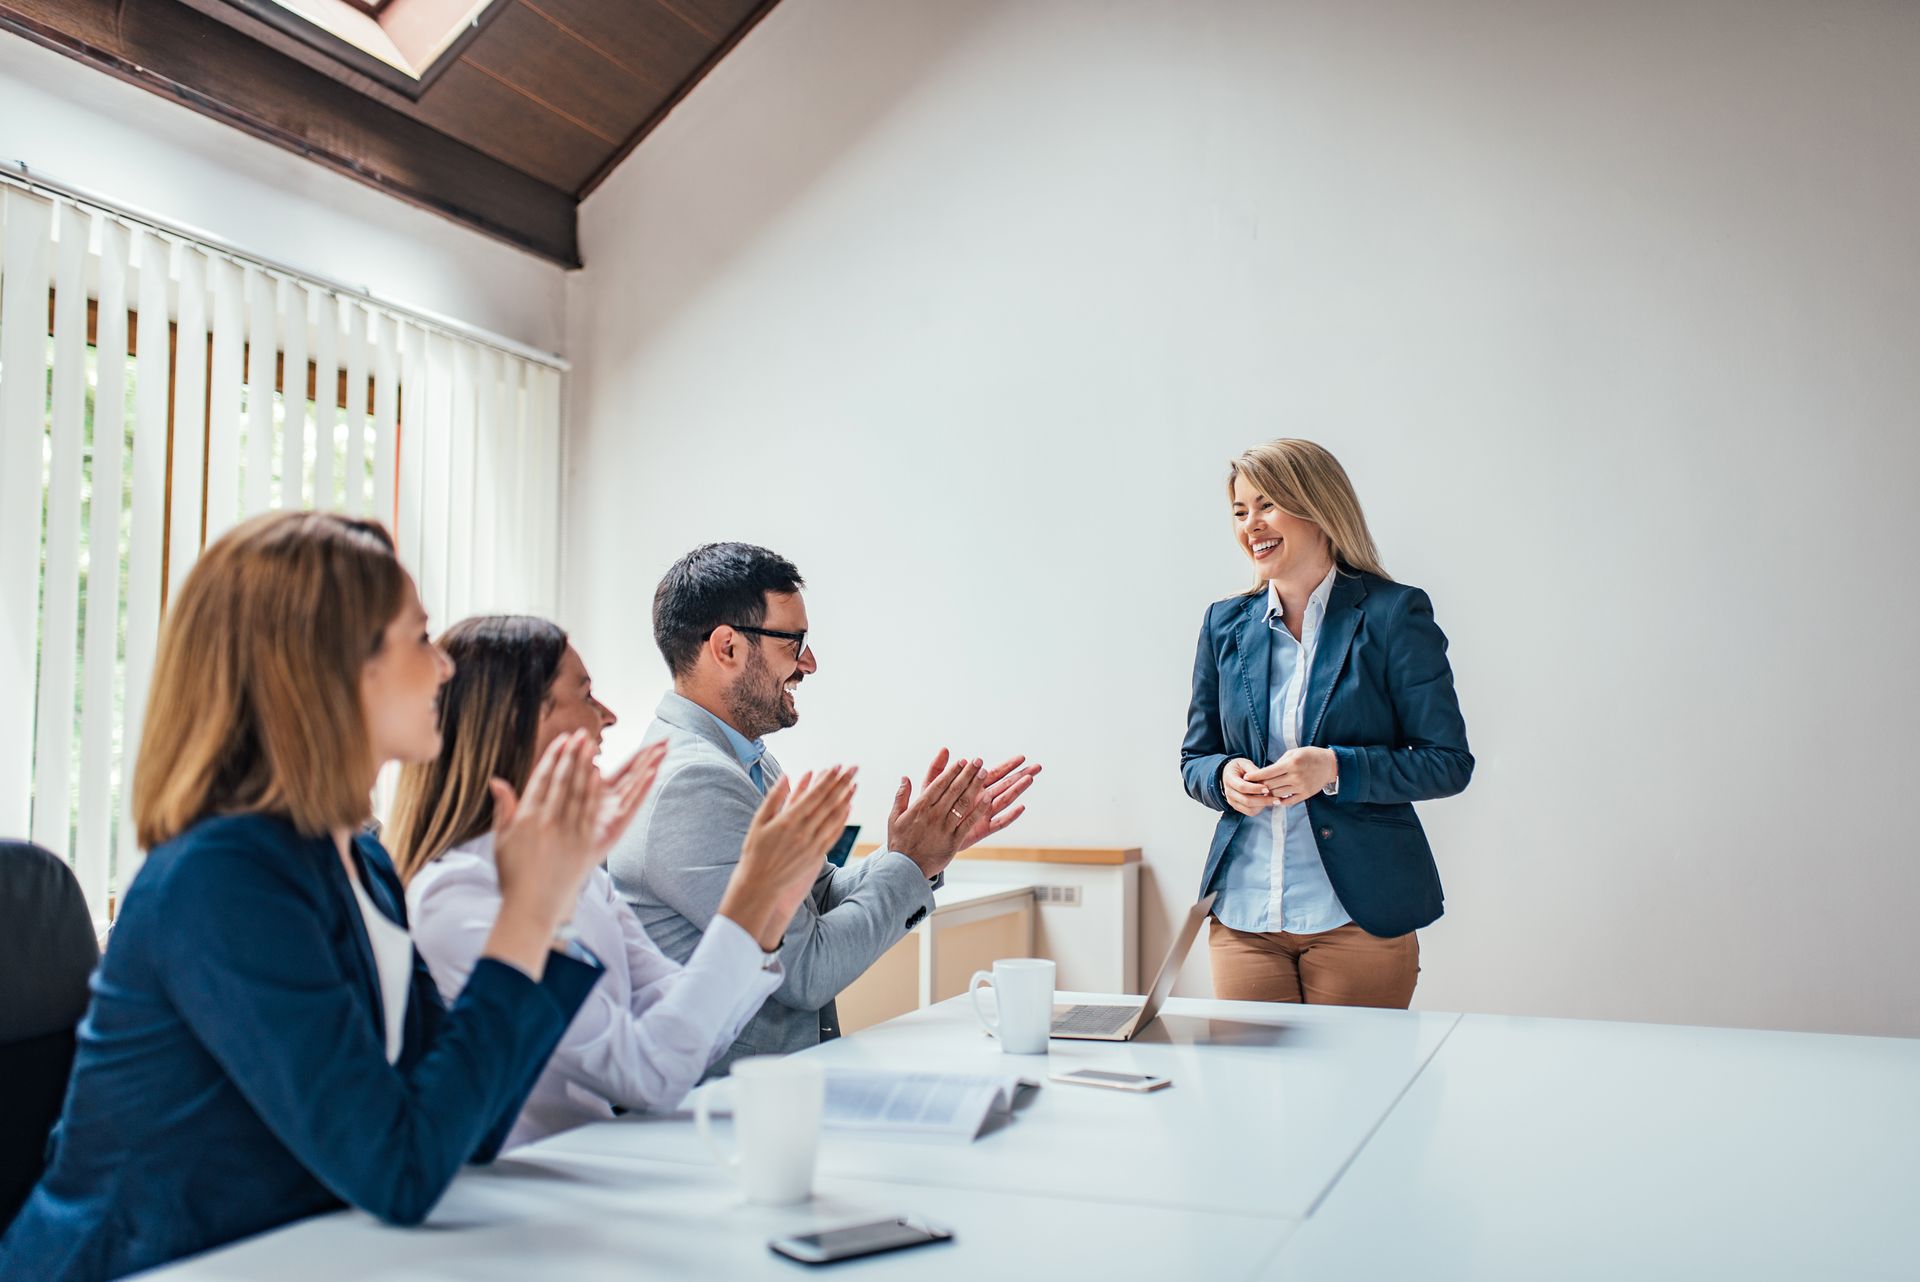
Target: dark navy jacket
(1380,694)
(232,1072)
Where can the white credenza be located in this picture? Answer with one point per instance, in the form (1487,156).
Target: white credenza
(971,925)
(1081,909)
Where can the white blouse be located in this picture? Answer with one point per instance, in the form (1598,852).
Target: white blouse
(649,1029)
(392,961)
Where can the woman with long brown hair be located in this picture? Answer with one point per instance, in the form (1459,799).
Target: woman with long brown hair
(1323,707)
(263,1043)
(652,1027)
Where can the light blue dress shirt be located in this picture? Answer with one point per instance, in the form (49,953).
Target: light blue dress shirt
(748,750)
(1272,878)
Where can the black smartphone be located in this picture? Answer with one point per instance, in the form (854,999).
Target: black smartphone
(843,847)
(859,1239)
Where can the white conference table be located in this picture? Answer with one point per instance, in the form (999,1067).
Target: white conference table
(1557,1148)
(534,1216)
(1250,1080)
(1296,1142)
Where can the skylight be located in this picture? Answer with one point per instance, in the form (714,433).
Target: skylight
(407,36)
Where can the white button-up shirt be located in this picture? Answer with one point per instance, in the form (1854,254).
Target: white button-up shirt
(1273,878)
(650,1027)
(1302,901)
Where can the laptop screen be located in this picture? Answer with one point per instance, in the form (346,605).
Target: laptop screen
(1170,968)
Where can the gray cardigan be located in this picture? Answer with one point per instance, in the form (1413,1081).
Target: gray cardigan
(673,864)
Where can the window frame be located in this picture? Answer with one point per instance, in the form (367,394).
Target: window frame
(351,56)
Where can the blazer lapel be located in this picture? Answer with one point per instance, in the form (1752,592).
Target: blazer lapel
(1336,638)
(1255,644)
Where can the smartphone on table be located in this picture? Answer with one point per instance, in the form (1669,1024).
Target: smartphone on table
(1113,1081)
(828,1245)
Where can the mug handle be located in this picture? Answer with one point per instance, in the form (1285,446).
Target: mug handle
(973,995)
(702,1120)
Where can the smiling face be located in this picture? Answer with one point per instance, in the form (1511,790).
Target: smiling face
(1279,545)
(571,706)
(761,699)
(400,687)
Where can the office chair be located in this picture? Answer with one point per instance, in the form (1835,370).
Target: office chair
(47,953)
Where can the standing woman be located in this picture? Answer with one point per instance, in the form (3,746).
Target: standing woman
(263,1043)
(1323,707)
(652,1026)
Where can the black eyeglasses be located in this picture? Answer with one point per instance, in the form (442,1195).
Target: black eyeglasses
(799,639)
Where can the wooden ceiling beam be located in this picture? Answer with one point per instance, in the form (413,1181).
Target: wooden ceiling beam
(172,50)
(652,122)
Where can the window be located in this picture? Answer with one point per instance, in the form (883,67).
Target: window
(166,390)
(401,43)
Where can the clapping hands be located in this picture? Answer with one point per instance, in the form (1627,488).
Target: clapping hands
(550,837)
(961,803)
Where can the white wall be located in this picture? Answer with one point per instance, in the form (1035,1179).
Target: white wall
(85,128)
(1609,309)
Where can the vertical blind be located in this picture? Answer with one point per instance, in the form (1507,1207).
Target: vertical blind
(154,390)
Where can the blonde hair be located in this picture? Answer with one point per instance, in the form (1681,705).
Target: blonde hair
(504,667)
(255,703)
(1304,480)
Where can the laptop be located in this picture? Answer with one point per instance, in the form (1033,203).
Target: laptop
(1122,1022)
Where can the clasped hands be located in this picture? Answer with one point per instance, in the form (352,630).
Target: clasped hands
(1289,781)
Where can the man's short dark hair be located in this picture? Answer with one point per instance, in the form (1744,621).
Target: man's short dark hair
(715,584)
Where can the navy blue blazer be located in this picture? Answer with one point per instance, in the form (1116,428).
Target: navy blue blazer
(1380,694)
(232,1074)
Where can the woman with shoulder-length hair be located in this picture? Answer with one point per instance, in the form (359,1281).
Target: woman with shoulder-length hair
(1323,707)
(652,1026)
(263,1043)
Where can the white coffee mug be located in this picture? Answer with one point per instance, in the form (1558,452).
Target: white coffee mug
(777,1101)
(1023,992)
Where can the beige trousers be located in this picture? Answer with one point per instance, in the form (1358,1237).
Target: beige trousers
(1344,966)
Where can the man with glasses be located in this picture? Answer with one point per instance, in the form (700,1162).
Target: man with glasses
(730,622)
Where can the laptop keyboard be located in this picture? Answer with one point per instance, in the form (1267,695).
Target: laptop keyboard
(1095,1019)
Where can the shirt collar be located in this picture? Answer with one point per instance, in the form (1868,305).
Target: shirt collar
(678,710)
(1320,597)
(748,750)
